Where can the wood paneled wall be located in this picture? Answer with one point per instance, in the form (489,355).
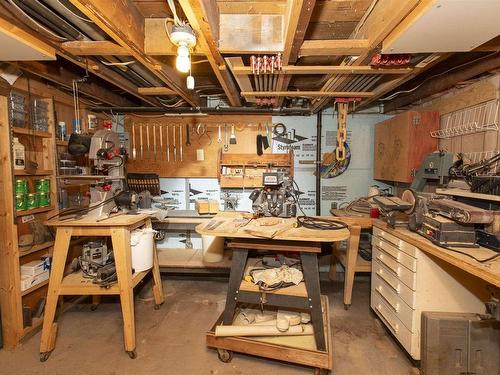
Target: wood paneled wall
(246,131)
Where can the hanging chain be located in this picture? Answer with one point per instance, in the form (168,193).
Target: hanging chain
(341,131)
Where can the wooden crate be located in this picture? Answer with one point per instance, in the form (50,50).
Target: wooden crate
(401,144)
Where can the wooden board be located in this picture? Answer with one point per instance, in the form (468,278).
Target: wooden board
(117,221)
(295,349)
(489,272)
(397,152)
(246,130)
(353,218)
(190,259)
(285,231)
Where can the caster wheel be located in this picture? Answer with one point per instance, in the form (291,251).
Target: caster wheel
(346,306)
(225,355)
(157,306)
(321,371)
(44,356)
(132,354)
(93,307)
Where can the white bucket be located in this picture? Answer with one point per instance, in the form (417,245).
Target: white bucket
(213,248)
(142,242)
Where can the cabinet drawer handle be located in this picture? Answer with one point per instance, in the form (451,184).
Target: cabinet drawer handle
(380,272)
(381,258)
(394,307)
(394,327)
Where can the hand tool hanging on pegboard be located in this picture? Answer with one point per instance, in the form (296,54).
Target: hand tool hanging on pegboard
(154,141)
(133,142)
(161,142)
(180,142)
(147,141)
(140,138)
(168,144)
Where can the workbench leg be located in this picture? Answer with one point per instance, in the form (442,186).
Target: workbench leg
(157,285)
(121,249)
(235,278)
(332,274)
(96,300)
(350,266)
(49,330)
(311,279)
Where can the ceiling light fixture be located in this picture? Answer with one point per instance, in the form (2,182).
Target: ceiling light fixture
(183,37)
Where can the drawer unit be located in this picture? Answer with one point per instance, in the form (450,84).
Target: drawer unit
(399,307)
(405,282)
(391,321)
(397,269)
(400,244)
(402,290)
(406,260)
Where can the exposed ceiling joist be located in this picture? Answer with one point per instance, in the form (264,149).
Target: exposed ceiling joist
(252,7)
(94,48)
(327,69)
(299,14)
(123,22)
(445,82)
(203,17)
(63,77)
(334,94)
(340,47)
(157,42)
(241,79)
(156,91)
(378,22)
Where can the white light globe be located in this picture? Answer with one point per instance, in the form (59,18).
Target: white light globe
(183,64)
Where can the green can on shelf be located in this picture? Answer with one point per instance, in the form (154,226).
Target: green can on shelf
(32,201)
(20,202)
(43,199)
(21,186)
(42,185)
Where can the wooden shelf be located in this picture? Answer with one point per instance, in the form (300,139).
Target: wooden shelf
(36,173)
(31,132)
(34,287)
(75,284)
(35,248)
(62,143)
(34,211)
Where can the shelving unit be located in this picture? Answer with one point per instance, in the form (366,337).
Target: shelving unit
(245,170)
(40,149)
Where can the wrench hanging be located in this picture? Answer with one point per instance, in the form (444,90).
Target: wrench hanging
(133,142)
(140,137)
(147,141)
(154,140)
(168,144)
(180,141)
(175,147)
(161,142)
(226,143)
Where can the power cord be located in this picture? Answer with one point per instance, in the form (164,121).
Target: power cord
(471,256)
(320,223)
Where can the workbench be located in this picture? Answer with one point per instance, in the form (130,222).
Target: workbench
(119,228)
(281,238)
(411,275)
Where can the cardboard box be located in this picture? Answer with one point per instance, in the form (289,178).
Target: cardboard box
(35,267)
(207,206)
(27,281)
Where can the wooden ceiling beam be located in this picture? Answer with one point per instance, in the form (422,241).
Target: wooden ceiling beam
(203,16)
(63,77)
(94,48)
(123,22)
(156,91)
(298,15)
(327,69)
(375,26)
(340,47)
(252,7)
(445,82)
(337,94)
(241,79)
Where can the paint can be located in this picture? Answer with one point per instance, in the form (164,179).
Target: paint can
(31,201)
(20,202)
(43,199)
(42,185)
(21,186)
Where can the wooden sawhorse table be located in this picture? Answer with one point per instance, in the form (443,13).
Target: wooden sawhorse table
(119,229)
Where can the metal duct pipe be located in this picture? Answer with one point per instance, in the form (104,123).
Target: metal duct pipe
(204,110)
(92,31)
(319,129)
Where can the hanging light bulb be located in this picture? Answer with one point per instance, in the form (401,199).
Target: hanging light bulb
(183,61)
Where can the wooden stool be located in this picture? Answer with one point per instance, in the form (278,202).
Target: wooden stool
(119,229)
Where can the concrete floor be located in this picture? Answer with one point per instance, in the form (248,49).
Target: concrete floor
(172,341)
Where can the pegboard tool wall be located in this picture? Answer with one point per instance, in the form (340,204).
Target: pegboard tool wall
(246,131)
